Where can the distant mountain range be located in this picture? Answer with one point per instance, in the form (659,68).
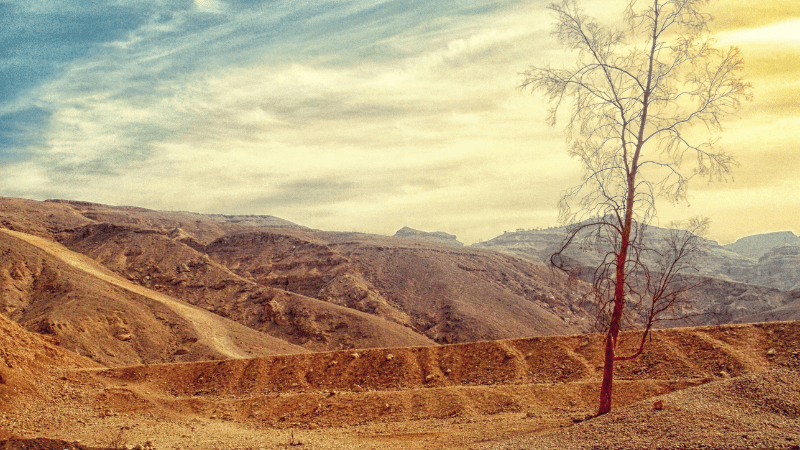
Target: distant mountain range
(770,259)
(759,245)
(127,285)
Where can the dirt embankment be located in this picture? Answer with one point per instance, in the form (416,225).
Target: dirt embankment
(453,396)
(702,352)
(265,389)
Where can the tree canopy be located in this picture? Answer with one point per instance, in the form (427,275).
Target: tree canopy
(644,104)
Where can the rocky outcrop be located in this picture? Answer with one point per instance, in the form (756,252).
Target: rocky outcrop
(771,259)
(436,236)
(758,245)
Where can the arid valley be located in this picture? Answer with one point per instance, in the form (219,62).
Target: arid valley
(251,224)
(127,327)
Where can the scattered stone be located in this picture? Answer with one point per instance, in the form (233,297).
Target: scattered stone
(124,336)
(389,357)
(658,405)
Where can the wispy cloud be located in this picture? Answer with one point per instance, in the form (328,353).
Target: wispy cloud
(365,115)
(786,32)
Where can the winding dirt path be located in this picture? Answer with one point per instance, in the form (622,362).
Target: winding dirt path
(209,327)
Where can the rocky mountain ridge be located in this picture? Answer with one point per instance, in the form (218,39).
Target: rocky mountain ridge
(436,236)
(757,245)
(307,289)
(769,259)
(310,289)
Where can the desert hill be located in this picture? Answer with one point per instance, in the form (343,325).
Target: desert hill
(313,289)
(50,217)
(446,293)
(160,262)
(498,394)
(90,310)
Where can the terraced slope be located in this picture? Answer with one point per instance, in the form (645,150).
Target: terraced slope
(455,396)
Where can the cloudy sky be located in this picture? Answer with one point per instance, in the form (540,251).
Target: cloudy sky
(362,115)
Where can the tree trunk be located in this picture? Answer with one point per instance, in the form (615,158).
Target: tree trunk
(608,377)
(619,299)
(611,340)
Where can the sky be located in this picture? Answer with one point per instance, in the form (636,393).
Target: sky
(362,115)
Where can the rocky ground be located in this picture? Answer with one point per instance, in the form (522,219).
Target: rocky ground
(723,387)
(754,411)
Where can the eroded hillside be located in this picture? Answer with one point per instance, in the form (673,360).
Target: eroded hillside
(317,290)
(308,290)
(94,312)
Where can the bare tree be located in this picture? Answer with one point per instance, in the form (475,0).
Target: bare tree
(636,98)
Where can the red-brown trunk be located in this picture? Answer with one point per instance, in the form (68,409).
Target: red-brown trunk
(613,332)
(608,377)
(622,256)
(619,305)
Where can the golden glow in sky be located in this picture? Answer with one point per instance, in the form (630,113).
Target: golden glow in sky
(765,138)
(361,115)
